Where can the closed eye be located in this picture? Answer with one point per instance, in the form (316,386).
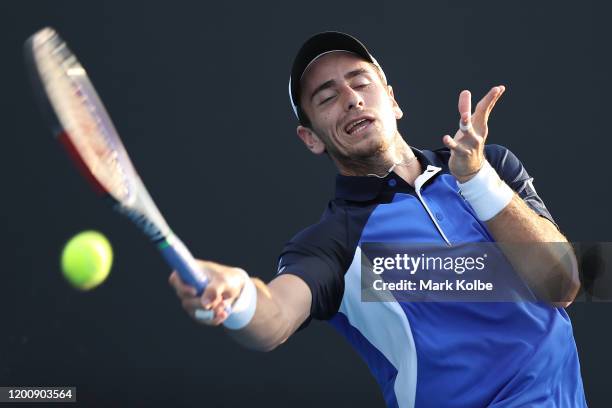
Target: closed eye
(327,100)
(357,86)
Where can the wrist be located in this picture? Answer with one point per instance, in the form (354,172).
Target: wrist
(486,192)
(244,306)
(467,177)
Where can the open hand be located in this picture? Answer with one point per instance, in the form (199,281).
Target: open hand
(467,147)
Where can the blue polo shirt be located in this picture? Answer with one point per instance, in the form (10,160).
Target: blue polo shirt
(436,354)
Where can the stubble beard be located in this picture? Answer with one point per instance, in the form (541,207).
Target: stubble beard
(376,159)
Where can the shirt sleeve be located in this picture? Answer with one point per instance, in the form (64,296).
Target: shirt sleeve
(317,255)
(512,171)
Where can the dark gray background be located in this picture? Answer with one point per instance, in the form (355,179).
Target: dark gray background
(198,92)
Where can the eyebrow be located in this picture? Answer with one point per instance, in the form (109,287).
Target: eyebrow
(331,82)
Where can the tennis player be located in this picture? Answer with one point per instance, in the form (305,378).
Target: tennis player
(434,354)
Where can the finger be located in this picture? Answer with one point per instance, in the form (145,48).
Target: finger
(180,288)
(486,104)
(501,90)
(220,313)
(466,136)
(212,295)
(172,278)
(465,107)
(453,145)
(185,291)
(190,304)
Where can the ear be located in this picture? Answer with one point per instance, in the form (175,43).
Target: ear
(396,109)
(311,140)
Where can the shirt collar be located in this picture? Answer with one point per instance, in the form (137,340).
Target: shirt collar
(365,188)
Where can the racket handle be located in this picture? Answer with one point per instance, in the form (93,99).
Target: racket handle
(179,258)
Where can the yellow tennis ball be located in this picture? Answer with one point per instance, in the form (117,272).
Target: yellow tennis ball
(87,259)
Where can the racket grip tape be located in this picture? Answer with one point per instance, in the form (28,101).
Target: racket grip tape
(179,258)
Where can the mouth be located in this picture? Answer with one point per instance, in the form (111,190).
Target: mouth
(358,125)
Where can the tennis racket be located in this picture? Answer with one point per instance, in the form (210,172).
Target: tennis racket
(81,124)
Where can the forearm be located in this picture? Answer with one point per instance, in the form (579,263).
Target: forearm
(282,306)
(520,224)
(266,330)
(538,251)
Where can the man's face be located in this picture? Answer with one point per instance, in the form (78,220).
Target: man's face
(352,113)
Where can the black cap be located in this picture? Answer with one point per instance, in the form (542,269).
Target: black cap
(316,46)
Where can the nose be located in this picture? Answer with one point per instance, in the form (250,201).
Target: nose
(352,99)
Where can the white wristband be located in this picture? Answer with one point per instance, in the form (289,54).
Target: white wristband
(486,193)
(243,308)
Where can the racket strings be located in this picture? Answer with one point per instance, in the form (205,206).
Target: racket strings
(61,74)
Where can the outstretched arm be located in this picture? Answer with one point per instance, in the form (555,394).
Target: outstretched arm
(281,306)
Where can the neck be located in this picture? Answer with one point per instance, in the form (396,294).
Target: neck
(399,158)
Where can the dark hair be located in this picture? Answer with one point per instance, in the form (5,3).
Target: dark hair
(304,119)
